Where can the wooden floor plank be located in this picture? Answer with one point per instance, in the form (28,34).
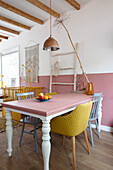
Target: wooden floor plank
(25,157)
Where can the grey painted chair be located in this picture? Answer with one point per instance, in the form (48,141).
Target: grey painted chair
(94,114)
(29,120)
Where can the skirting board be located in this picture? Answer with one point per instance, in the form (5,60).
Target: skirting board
(105,128)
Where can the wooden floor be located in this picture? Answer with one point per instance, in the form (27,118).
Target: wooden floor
(25,158)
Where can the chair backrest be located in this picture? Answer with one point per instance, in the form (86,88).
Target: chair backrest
(27,95)
(95,106)
(77,121)
(53,93)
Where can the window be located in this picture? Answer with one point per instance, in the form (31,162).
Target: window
(10,68)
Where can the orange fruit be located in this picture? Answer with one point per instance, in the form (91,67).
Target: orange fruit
(46,97)
(49,97)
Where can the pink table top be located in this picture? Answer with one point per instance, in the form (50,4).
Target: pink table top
(57,104)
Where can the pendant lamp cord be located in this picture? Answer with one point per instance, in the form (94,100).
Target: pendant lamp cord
(50,21)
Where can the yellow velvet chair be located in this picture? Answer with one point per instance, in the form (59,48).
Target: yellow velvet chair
(53,93)
(73,124)
(15,116)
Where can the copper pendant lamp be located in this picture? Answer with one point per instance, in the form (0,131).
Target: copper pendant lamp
(50,44)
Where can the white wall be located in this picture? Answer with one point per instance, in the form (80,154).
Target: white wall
(91,27)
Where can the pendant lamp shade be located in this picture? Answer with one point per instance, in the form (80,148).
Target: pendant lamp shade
(50,44)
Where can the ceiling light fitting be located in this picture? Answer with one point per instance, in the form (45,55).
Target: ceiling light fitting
(51,44)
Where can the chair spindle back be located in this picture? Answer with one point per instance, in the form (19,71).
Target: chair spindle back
(95,106)
(21,96)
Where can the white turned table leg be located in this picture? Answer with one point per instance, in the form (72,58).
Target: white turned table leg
(100,115)
(9,131)
(46,145)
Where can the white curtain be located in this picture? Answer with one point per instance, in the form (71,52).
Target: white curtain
(32,62)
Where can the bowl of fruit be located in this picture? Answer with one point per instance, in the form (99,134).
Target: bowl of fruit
(43,98)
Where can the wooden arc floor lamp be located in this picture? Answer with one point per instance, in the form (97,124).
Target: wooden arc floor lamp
(29,71)
(90,89)
(2,85)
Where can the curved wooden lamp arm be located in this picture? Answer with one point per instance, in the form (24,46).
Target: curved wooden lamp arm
(2,85)
(75,52)
(29,73)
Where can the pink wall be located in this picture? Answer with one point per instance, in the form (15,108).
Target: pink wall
(63,79)
(43,81)
(101,82)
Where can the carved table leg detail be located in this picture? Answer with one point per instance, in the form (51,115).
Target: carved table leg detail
(9,131)
(46,145)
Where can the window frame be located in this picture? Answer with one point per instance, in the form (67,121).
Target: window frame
(11,51)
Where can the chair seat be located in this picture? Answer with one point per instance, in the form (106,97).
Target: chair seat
(31,120)
(92,119)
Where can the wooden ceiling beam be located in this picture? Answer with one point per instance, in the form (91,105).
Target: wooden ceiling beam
(10,21)
(44,7)
(19,12)
(73,3)
(9,30)
(3,37)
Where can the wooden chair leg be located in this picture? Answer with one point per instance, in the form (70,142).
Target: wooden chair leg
(23,126)
(91,134)
(63,139)
(97,129)
(87,143)
(74,156)
(35,134)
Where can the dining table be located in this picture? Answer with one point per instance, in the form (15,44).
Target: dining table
(46,111)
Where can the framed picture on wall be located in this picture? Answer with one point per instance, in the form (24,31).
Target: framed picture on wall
(13,82)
